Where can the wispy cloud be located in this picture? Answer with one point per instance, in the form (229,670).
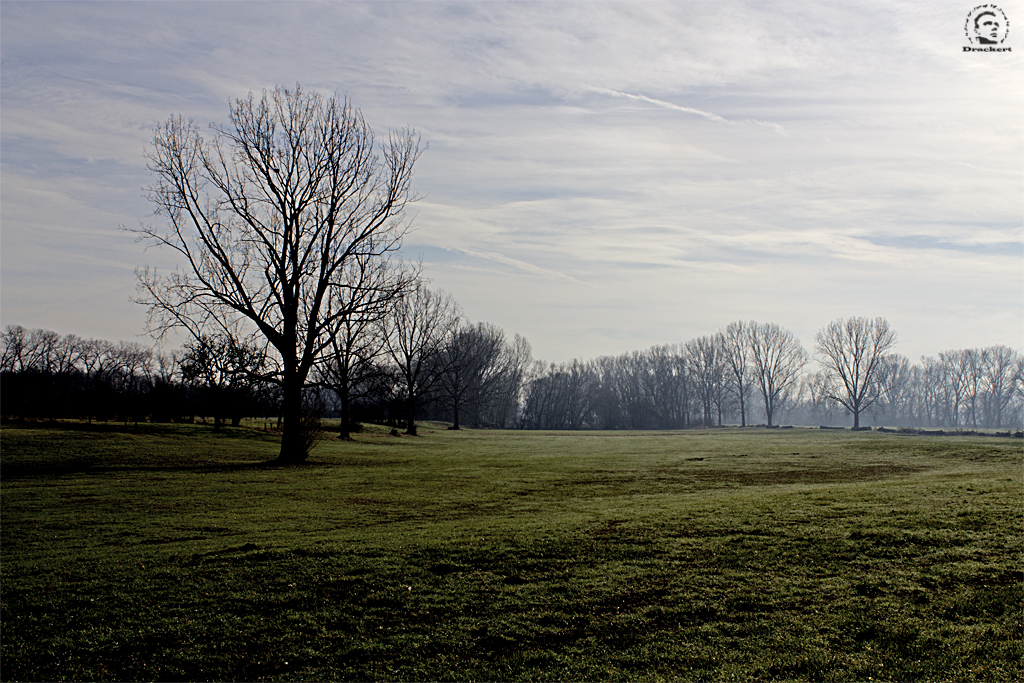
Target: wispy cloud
(518,265)
(686,110)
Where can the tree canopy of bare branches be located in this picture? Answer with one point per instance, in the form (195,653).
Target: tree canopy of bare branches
(225,369)
(851,351)
(477,365)
(265,216)
(736,349)
(368,292)
(777,359)
(709,371)
(415,336)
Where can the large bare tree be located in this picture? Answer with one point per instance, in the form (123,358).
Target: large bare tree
(265,215)
(777,359)
(851,352)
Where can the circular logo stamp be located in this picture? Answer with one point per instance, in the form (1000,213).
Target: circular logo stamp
(986,25)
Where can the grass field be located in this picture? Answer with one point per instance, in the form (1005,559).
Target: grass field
(168,552)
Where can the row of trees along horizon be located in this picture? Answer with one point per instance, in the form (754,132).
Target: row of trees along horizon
(473,374)
(286,224)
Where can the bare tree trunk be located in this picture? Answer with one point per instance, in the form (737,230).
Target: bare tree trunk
(346,420)
(293,448)
(410,425)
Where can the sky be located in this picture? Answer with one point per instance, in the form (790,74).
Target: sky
(600,177)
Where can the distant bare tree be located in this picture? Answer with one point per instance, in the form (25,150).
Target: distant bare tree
(973,371)
(1018,388)
(777,359)
(367,291)
(167,398)
(503,408)
(814,393)
(624,380)
(895,389)
(670,387)
(928,382)
(707,363)
(953,386)
(561,396)
(736,349)
(225,368)
(473,366)
(133,378)
(43,351)
(1001,366)
(15,340)
(415,334)
(265,216)
(851,351)
(643,389)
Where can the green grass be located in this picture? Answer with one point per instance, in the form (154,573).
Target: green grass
(171,553)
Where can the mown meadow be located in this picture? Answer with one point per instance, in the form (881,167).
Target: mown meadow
(168,552)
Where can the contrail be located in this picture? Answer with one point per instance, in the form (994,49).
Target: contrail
(521,265)
(688,110)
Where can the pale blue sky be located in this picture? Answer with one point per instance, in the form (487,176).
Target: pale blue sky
(600,177)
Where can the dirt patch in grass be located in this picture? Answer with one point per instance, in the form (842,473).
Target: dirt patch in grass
(831,475)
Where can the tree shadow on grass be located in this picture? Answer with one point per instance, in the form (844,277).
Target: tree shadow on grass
(47,449)
(165,429)
(46,470)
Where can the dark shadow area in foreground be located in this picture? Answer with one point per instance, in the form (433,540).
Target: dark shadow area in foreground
(84,466)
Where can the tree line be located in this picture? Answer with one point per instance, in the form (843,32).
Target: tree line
(47,375)
(423,360)
(757,373)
